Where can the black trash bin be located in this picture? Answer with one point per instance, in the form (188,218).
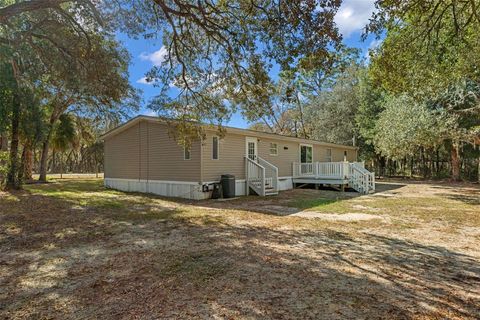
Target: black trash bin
(228,185)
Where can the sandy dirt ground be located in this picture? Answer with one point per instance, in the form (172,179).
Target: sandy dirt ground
(72,249)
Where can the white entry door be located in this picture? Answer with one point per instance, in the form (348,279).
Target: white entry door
(251,148)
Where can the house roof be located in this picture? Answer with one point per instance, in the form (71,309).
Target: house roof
(246,132)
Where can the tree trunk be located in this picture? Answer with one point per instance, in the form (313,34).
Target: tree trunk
(27,162)
(478,169)
(45,149)
(424,164)
(61,165)
(3,147)
(3,141)
(455,159)
(12,175)
(43,160)
(96,168)
(411,167)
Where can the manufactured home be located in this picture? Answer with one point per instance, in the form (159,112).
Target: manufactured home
(141,156)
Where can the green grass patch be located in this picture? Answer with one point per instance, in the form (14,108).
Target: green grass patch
(86,193)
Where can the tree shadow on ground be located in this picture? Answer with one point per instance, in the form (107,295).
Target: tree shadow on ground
(467,195)
(58,262)
(294,201)
(468,199)
(388,186)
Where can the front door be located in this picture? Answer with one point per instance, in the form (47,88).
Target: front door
(251,148)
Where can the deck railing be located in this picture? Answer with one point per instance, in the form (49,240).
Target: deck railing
(319,170)
(261,176)
(361,179)
(271,174)
(355,173)
(254,176)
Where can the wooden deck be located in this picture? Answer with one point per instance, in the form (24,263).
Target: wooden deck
(334,173)
(262,176)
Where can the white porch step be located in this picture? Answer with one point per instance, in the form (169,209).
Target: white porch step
(261,176)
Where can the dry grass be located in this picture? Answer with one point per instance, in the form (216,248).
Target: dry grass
(73,249)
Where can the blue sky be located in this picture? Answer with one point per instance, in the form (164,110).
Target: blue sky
(351,18)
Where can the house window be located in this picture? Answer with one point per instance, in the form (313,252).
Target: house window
(306,153)
(186,153)
(328,158)
(345,155)
(273,149)
(215,148)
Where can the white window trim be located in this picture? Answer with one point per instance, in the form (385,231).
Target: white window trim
(255,141)
(300,151)
(189,153)
(276,149)
(218,148)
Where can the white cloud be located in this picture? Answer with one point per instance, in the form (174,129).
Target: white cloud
(151,113)
(353,15)
(144,81)
(157,57)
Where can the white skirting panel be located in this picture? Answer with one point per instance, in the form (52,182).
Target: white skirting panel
(239,188)
(284,183)
(179,189)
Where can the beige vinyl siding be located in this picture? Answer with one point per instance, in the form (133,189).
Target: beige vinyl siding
(283,161)
(143,156)
(121,155)
(167,157)
(146,151)
(231,152)
(320,154)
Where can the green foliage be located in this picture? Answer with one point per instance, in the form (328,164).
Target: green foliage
(3,165)
(64,133)
(430,53)
(33,120)
(371,104)
(405,126)
(219,54)
(8,87)
(331,114)
(428,47)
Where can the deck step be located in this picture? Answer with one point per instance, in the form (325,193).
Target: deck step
(271,193)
